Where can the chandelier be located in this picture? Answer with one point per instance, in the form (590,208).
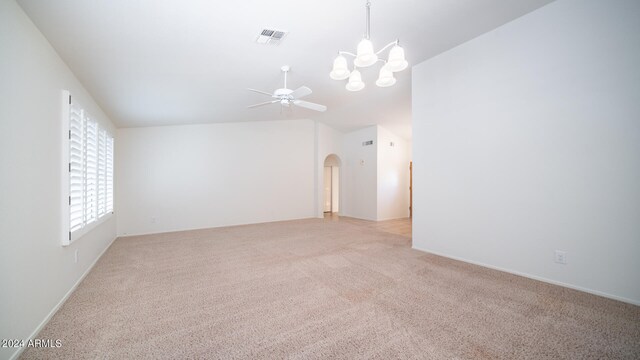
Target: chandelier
(365,57)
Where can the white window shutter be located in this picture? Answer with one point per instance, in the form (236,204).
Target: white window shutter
(89,158)
(109,174)
(91,177)
(102,176)
(76,168)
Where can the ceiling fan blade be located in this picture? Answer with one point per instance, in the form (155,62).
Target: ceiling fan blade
(260,92)
(310,105)
(300,92)
(262,104)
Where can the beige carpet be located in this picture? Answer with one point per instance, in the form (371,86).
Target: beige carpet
(315,289)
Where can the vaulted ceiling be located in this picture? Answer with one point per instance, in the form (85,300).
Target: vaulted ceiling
(151,62)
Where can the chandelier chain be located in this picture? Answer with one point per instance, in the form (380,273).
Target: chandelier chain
(367,34)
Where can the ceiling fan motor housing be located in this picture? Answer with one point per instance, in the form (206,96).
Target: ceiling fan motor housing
(282,92)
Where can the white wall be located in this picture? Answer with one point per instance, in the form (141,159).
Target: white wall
(327,141)
(197,176)
(36,272)
(527,140)
(359,174)
(393,176)
(375,177)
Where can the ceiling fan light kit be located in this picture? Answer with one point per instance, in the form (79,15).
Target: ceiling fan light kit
(366,56)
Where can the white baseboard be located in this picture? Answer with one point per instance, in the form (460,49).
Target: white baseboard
(356,217)
(534,277)
(59,304)
(167,231)
(393,218)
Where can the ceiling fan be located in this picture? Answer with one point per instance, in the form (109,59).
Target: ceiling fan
(287,97)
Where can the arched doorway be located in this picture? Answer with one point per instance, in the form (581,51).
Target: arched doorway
(331,184)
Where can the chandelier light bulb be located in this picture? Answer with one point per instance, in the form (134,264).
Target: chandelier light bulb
(385,78)
(355,81)
(396,59)
(340,69)
(365,56)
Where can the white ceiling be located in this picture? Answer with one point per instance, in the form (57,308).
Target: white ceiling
(151,62)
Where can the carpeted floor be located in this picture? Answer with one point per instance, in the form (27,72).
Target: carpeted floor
(316,289)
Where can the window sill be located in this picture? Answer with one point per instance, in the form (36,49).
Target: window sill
(85,230)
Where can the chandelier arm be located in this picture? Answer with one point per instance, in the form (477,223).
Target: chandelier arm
(396,42)
(347,53)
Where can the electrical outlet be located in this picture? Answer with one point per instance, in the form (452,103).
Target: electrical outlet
(561,257)
(75,256)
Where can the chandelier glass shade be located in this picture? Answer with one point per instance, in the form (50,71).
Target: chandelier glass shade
(366,56)
(385,79)
(355,81)
(396,60)
(340,68)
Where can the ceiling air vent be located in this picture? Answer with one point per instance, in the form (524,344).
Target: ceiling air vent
(271,37)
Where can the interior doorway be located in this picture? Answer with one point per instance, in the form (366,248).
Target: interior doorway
(411,189)
(331,181)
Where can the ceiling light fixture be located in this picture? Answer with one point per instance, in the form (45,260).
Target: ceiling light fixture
(364,57)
